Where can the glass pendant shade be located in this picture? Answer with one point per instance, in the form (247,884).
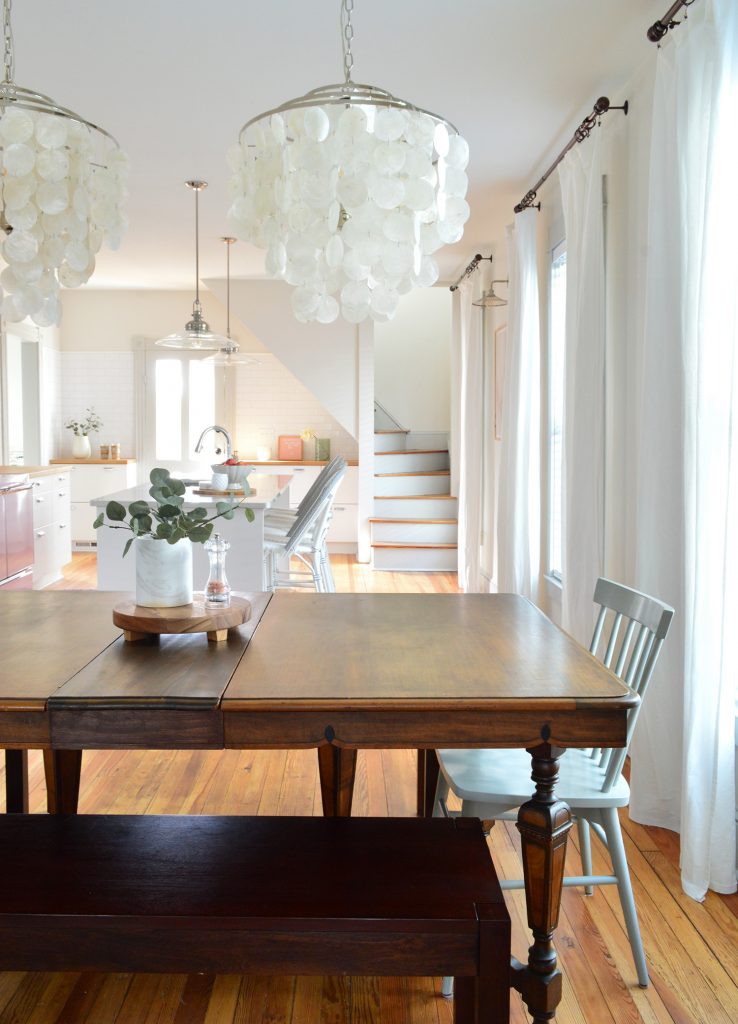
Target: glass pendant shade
(197,333)
(63,194)
(350,191)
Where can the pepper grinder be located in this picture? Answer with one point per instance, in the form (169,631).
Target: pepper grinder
(217,589)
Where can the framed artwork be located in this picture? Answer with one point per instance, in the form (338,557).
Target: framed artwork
(500,354)
(289,448)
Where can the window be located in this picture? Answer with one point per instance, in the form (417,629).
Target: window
(556,365)
(182,397)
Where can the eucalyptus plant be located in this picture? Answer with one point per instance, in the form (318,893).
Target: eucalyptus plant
(165,519)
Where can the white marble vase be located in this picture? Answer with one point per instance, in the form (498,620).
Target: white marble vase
(163,573)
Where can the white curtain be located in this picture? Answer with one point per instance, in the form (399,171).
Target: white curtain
(470,448)
(580,175)
(519,503)
(684,754)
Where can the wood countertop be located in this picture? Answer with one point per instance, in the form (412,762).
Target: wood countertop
(294,462)
(91,462)
(38,470)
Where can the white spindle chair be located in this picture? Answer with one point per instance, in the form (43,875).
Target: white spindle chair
(282,518)
(491,784)
(306,540)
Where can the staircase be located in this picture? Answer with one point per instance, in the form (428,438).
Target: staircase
(414,527)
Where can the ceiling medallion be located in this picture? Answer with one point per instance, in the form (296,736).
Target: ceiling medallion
(63,193)
(350,190)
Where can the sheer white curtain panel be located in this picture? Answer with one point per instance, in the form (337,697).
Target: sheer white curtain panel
(583,464)
(688,476)
(519,503)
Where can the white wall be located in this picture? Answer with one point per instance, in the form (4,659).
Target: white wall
(412,356)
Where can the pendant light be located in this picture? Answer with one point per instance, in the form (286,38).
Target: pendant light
(230,354)
(63,194)
(489,299)
(196,333)
(350,190)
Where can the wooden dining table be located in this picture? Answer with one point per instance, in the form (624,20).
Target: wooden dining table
(337,672)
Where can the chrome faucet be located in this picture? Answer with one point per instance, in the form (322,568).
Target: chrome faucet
(218,430)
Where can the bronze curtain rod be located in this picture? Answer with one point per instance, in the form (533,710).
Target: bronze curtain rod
(658,30)
(602,105)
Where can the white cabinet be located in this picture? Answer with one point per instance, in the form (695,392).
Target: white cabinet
(52,547)
(94,481)
(344,528)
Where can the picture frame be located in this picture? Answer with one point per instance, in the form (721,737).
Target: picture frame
(500,352)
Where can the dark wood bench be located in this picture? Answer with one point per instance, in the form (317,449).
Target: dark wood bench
(253,895)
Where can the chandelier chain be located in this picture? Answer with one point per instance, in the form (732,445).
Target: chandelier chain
(8,42)
(347,35)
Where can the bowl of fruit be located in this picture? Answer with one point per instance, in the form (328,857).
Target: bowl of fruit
(236,471)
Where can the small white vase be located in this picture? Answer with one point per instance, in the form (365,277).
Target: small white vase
(81,448)
(163,573)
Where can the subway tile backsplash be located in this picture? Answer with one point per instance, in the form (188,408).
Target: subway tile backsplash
(271,401)
(105,381)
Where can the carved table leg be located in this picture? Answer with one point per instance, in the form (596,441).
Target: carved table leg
(428,770)
(16,781)
(337,772)
(63,769)
(544,823)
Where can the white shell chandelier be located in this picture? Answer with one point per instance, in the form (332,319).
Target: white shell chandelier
(63,190)
(350,191)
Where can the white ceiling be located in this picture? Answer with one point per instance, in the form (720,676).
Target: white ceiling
(174,80)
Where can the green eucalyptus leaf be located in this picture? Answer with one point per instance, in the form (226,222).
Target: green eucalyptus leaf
(99,521)
(145,523)
(115,511)
(164,530)
(169,511)
(175,499)
(249,513)
(223,506)
(127,548)
(135,527)
(137,508)
(198,514)
(177,487)
(199,534)
(159,477)
(176,535)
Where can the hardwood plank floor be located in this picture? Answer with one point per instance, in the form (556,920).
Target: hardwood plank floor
(692,949)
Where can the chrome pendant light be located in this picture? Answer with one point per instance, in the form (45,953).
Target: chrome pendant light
(230,354)
(350,190)
(489,299)
(63,194)
(197,333)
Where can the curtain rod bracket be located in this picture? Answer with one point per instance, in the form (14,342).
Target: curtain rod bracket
(658,30)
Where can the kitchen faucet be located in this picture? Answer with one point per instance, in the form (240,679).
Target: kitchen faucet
(218,430)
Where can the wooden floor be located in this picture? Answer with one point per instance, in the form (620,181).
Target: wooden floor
(692,949)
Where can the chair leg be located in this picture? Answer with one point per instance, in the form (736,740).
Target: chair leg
(325,560)
(615,846)
(585,848)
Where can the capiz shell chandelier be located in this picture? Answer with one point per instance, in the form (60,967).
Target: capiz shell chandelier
(63,191)
(350,191)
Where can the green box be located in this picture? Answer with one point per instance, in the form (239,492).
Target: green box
(322,449)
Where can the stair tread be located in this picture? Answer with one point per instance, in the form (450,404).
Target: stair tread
(391,431)
(414,497)
(379,519)
(397,544)
(419,472)
(416,451)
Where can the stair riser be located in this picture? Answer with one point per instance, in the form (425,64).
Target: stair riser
(420,508)
(416,559)
(414,533)
(390,442)
(412,462)
(398,485)
(426,439)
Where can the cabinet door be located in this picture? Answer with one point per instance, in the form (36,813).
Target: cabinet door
(62,543)
(90,482)
(61,498)
(303,477)
(344,524)
(82,518)
(44,567)
(43,507)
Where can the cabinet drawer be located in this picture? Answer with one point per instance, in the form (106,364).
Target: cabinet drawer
(62,542)
(96,481)
(61,502)
(344,524)
(44,545)
(43,507)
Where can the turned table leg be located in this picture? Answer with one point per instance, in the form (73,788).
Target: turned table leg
(16,781)
(428,771)
(544,823)
(337,773)
(63,769)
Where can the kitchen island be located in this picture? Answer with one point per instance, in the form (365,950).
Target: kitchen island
(245,561)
